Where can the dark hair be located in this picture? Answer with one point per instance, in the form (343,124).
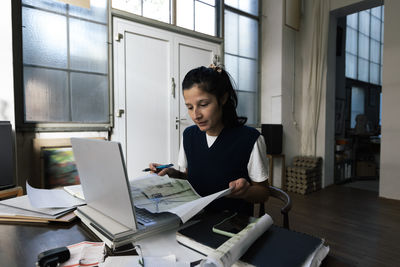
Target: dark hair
(216,81)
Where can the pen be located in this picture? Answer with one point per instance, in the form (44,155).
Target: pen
(159,168)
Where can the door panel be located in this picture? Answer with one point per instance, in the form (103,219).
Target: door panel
(149,66)
(147,116)
(191,57)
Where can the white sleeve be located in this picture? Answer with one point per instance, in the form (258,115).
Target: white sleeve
(182,161)
(258,162)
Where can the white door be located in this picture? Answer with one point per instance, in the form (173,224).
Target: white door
(192,53)
(149,65)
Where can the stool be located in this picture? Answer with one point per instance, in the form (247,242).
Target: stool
(271,158)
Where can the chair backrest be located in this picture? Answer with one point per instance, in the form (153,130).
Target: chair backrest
(283,197)
(12,192)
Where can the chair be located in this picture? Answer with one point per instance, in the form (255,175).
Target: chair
(282,196)
(11,192)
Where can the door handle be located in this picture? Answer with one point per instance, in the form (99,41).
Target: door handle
(179,120)
(173,85)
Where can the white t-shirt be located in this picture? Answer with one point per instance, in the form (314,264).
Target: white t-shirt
(258,162)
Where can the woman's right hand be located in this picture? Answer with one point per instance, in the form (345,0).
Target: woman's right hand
(169,171)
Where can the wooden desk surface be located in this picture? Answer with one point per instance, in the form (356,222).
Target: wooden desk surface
(21,243)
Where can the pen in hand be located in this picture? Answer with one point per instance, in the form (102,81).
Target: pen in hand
(159,168)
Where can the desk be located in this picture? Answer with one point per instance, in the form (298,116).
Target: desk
(20,244)
(271,158)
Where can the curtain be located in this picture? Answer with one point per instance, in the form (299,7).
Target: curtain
(317,77)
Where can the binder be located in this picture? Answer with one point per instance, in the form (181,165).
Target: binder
(277,247)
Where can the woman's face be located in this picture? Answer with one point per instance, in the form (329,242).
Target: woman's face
(204,110)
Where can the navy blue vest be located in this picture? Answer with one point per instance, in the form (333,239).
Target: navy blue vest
(211,169)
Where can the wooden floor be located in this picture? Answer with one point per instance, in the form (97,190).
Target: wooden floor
(360,228)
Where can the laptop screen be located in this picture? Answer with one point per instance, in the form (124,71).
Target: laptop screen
(104,178)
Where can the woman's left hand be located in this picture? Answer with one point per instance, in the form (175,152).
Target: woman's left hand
(239,188)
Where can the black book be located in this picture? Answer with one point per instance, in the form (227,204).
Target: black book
(276,247)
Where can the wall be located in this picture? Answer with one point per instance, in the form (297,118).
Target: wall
(389,184)
(6,66)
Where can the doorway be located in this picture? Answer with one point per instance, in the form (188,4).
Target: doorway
(150,115)
(358,99)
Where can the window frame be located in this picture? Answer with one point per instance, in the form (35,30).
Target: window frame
(21,125)
(18,67)
(259,22)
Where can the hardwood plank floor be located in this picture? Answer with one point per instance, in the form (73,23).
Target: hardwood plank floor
(360,228)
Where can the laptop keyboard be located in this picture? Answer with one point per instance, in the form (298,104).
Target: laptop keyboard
(144,217)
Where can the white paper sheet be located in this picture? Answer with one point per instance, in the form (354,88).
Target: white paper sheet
(133,261)
(23,203)
(189,209)
(230,251)
(75,190)
(85,254)
(164,244)
(51,198)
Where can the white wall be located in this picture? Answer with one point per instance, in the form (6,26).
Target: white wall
(389,184)
(6,66)
(271,62)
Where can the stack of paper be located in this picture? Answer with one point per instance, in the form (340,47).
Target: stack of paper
(19,209)
(40,206)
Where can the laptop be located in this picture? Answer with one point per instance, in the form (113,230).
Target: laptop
(110,211)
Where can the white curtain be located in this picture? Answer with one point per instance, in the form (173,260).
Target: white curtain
(317,77)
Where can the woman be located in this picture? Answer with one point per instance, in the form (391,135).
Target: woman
(219,151)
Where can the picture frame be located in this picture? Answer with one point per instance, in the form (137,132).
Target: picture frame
(53,163)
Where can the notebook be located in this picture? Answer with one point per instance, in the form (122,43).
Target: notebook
(110,209)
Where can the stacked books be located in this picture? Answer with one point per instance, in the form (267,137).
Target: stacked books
(305,175)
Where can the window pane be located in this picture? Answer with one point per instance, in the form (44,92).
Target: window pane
(376,11)
(363,70)
(184,14)
(232,67)
(88,49)
(352,20)
(357,104)
(249,6)
(50,5)
(204,18)
(96,12)
(363,46)
(156,9)
(351,66)
(248,41)
(351,41)
(231,33)
(364,22)
(210,2)
(44,43)
(375,28)
(46,95)
(375,51)
(132,6)
(247,75)
(374,73)
(247,106)
(89,94)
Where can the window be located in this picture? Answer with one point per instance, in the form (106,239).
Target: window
(364,45)
(154,9)
(357,104)
(197,15)
(241,53)
(241,20)
(202,19)
(65,62)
